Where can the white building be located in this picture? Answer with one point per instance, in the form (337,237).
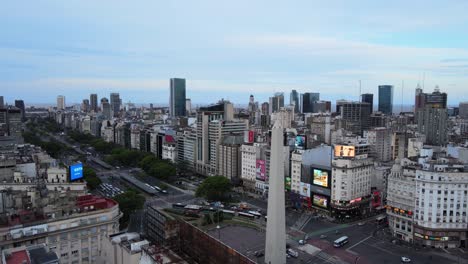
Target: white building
(351,186)
(169,152)
(248,164)
(296,164)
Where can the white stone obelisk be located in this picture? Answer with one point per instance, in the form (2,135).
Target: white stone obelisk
(275,244)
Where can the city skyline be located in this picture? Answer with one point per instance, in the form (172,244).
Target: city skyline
(103,48)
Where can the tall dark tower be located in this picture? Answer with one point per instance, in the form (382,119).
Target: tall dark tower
(177,97)
(93,103)
(368,98)
(20,104)
(386,99)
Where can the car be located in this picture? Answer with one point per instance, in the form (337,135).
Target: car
(361,223)
(259,254)
(302,242)
(323,236)
(405,260)
(292,253)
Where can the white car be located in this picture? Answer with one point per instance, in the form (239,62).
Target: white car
(302,242)
(405,260)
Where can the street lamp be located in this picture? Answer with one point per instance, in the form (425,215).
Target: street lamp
(219,232)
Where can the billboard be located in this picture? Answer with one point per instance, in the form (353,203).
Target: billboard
(249,136)
(261,170)
(304,189)
(287,183)
(76,172)
(320,201)
(301,142)
(345,151)
(321,177)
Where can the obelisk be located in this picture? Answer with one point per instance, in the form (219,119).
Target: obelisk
(275,244)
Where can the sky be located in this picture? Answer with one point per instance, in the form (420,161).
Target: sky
(231,49)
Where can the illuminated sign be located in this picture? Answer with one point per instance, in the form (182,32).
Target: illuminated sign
(320,201)
(355,200)
(304,189)
(76,172)
(261,170)
(321,178)
(434,238)
(345,151)
(301,142)
(249,136)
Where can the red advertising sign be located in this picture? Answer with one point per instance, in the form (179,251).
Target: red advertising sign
(261,170)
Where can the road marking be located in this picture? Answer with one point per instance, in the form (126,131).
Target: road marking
(306,222)
(359,242)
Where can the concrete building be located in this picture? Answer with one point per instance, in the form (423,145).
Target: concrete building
(276,103)
(249,166)
(20,105)
(206,147)
(61,102)
(321,126)
(308,100)
(40,254)
(351,187)
(115,104)
(93,103)
(217,129)
(229,157)
(188,106)
(368,98)
(123,248)
(177,103)
(294,100)
(463,110)
(401,199)
(380,141)
(106,108)
(386,99)
(432,122)
(356,116)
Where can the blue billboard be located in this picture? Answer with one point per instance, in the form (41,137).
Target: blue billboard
(76,172)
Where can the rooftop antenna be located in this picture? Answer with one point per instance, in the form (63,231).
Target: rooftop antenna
(402,89)
(360,99)
(424,78)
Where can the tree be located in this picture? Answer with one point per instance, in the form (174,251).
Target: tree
(129,202)
(214,188)
(92,181)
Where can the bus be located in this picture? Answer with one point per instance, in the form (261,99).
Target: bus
(247,215)
(229,212)
(340,241)
(255,213)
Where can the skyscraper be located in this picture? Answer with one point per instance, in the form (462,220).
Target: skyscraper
(432,122)
(2,103)
(106,108)
(188,106)
(93,102)
(368,98)
(294,100)
(20,104)
(276,102)
(177,97)
(356,115)
(386,99)
(61,102)
(432,118)
(85,105)
(308,100)
(115,104)
(436,99)
(419,98)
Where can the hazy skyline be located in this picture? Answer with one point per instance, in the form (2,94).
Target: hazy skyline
(230,49)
